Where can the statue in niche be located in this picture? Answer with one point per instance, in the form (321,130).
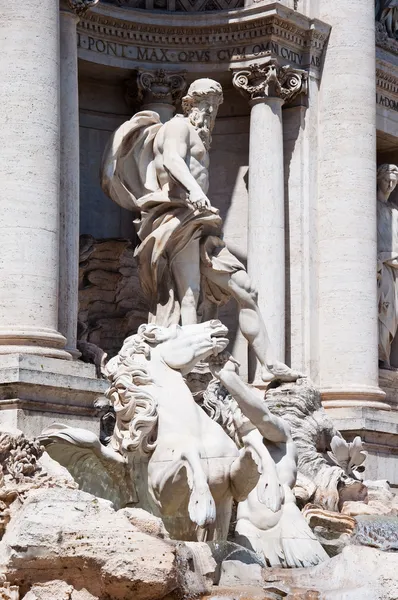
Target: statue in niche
(387,15)
(160,172)
(387,261)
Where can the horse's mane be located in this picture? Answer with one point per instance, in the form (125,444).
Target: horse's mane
(221,408)
(135,408)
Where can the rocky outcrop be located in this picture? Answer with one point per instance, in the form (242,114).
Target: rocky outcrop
(111,303)
(57,590)
(358,573)
(64,534)
(59,543)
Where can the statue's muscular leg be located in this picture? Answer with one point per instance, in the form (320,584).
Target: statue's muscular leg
(186,273)
(251,322)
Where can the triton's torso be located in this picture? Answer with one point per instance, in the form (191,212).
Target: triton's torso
(193,153)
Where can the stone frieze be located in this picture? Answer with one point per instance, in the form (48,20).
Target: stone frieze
(130,39)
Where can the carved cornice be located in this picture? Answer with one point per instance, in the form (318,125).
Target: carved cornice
(239,32)
(387,81)
(136,38)
(175,36)
(270,80)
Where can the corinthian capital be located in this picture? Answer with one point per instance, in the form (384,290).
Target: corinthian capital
(270,80)
(80,7)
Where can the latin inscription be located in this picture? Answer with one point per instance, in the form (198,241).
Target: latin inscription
(160,55)
(386,102)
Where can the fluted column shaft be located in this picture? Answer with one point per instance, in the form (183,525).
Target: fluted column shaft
(29,172)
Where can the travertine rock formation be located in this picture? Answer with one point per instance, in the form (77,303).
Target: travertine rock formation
(57,590)
(111,303)
(358,573)
(67,533)
(59,543)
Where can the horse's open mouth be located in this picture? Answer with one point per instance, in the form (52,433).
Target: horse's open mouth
(219,339)
(221,333)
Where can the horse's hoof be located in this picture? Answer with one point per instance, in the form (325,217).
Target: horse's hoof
(201,507)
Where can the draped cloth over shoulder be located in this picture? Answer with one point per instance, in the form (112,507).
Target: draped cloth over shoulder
(165,225)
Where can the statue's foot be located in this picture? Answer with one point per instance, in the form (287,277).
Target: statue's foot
(280,371)
(386,366)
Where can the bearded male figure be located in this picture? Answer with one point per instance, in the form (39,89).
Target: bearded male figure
(387,261)
(160,171)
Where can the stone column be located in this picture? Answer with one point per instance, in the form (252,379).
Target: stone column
(268,86)
(156,90)
(347,243)
(29,174)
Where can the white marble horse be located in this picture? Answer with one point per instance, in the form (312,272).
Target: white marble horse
(166,454)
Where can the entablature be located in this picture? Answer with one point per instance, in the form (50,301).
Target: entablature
(130,39)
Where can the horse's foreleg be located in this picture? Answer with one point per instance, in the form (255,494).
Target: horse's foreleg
(269,489)
(201,506)
(170,487)
(244,475)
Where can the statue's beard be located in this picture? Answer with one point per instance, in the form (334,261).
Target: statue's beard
(202,123)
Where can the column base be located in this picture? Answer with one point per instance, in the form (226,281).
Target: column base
(36,391)
(355,396)
(29,340)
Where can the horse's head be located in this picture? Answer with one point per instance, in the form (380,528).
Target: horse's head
(182,347)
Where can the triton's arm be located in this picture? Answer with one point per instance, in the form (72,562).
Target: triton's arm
(250,402)
(175,152)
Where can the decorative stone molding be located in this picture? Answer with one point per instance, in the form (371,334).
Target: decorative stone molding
(387,81)
(270,80)
(387,85)
(136,39)
(160,86)
(80,7)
